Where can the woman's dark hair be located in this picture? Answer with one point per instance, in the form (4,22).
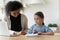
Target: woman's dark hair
(13,5)
(40,14)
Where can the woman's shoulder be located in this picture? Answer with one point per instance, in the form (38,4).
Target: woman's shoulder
(23,15)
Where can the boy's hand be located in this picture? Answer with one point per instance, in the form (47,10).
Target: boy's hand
(34,31)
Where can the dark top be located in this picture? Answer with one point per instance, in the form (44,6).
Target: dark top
(16,23)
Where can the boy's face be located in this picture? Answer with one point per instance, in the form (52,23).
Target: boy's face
(14,13)
(38,20)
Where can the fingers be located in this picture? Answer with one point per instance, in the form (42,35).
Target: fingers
(34,31)
(39,33)
(20,33)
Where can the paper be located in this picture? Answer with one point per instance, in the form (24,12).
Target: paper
(31,35)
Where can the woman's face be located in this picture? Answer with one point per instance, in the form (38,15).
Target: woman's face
(38,20)
(14,13)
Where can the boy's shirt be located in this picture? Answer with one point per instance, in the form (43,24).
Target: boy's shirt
(41,28)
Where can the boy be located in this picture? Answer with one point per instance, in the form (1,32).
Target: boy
(39,26)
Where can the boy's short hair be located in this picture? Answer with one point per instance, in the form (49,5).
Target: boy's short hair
(40,14)
(13,5)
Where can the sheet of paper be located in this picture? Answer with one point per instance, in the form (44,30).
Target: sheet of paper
(32,35)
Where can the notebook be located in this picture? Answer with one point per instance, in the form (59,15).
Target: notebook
(4,31)
(31,35)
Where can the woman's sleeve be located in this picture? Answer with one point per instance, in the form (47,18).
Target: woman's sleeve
(11,32)
(5,18)
(24,23)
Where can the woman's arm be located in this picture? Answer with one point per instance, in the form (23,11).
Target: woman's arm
(24,22)
(16,33)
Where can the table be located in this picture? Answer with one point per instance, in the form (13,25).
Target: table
(40,37)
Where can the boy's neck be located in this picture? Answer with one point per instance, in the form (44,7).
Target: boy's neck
(38,24)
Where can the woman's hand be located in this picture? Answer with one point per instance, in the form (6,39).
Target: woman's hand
(20,33)
(39,33)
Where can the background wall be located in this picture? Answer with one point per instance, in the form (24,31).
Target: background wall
(50,11)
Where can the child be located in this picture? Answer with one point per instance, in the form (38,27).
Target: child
(39,26)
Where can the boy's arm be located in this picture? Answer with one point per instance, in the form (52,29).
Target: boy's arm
(48,32)
(30,30)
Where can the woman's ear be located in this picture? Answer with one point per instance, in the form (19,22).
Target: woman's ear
(42,19)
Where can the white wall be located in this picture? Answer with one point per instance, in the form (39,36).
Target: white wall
(50,10)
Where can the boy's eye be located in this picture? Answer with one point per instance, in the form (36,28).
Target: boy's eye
(36,18)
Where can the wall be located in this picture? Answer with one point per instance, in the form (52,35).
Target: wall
(50,10)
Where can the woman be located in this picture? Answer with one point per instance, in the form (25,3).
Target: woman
(17,22)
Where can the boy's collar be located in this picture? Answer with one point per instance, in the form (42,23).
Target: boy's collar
(38,25)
